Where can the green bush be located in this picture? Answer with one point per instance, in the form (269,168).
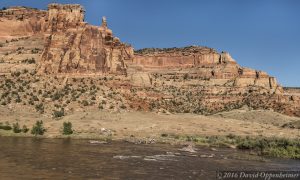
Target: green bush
(58,114)
(5,126)
(38,128)
(275,147)
(25,129)
(67,128)
(16,73)
(57,96)
(29,61)
(39,108)
(16,128)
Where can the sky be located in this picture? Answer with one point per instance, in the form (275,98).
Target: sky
(260,34)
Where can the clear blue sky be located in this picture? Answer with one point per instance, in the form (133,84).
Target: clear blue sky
(261,34)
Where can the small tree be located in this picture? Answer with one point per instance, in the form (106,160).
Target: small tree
(16,128)
(38,128)
(67,128)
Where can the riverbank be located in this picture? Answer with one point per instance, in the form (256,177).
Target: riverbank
(261,146)
(257,132)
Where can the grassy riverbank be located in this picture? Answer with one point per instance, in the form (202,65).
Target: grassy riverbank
(259,132)
(262,146)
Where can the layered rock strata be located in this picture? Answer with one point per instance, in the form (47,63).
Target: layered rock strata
(70,44)
(203,63)
(192,79)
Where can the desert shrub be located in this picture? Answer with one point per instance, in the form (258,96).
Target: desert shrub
(5,126)
(35,98)
(58,114)
(67,128)
(31,102)
(185,76)
(56,96)
(32,73)
(25,129)
(18,99)
(85,103)
(16,128)
(82,90)
(39,108)
(292,125)
(16,73)
(123,106)
(29,61)
(38,128)
(164,135)
(231,136)
(35,51)
(3,103)
(5,94)
(103,102)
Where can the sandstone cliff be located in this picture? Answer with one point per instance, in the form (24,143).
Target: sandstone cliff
(70,44)
(58,43)
(73,46)
(203,63)
(20,21)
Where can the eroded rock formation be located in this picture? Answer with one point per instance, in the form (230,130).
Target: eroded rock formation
(21,21)
(73,46)
(70,44)
(203,63)
(192,79)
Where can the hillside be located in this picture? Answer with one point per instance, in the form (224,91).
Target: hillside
(56,64)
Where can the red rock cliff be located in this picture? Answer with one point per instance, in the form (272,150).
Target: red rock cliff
(21,21)
(203,62)
(73,46)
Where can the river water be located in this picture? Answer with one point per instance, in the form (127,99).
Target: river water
(34,158)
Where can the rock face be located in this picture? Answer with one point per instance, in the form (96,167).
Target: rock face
(73,46)
(192,79)
(20,21)
(205,63)
(70,44)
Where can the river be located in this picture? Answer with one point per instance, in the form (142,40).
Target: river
(35,158)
